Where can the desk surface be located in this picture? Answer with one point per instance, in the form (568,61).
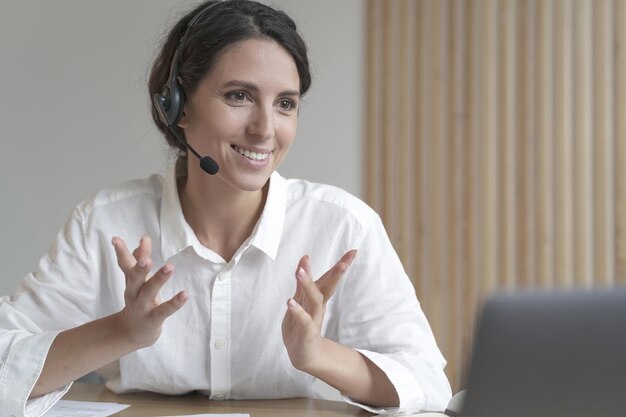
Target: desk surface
(146,404)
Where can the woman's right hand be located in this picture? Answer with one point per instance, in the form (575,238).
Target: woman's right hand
(142,317)
(76,352)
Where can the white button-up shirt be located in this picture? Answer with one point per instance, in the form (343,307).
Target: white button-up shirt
(226,341)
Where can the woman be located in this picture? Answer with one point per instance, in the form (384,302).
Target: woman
(244,284)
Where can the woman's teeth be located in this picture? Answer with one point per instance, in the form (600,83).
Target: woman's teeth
(257,156)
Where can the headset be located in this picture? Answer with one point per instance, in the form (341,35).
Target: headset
(170,102)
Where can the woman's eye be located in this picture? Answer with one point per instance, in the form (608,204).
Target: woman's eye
(287,104)
(236,96)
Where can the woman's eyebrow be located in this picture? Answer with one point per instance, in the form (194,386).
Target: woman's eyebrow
(253,87)
(244,84)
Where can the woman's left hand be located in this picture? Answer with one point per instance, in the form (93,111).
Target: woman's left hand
(302,323)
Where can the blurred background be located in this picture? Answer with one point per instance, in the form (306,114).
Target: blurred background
(489,134)
(496,149)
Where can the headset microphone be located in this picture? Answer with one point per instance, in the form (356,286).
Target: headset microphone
(170,103)
(207,163)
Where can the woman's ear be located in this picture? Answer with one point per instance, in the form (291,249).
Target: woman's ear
(184,121)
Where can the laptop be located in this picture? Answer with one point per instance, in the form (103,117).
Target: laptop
(549,355)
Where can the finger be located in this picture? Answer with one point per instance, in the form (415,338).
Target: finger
(327,283)
(136,278)
(150,289)
(312,298)
(169,307)
(135,270)
(298,294)
(125,259)
(297,315)
(144,250)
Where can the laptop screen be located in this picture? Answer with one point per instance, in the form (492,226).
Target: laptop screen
(549,355)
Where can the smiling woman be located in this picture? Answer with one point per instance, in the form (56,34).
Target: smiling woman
(244,114)
(244,284)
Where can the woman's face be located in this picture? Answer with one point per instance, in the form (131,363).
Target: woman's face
(244,113)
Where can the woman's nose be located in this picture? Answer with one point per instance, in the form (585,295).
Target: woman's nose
(261,123)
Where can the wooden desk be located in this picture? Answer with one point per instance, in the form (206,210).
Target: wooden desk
(146,404)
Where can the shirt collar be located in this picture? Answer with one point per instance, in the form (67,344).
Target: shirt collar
(269,229)
(177,235)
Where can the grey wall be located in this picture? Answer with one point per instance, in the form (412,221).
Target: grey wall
(74,112)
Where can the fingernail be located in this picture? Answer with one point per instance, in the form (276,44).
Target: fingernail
(142,262)
(292,303)
(300,273)
(167,268)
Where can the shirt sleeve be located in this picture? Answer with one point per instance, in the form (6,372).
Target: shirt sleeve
(379,315)
(23,358)
(59,295)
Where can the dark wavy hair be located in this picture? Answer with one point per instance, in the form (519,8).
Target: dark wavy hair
(225,24)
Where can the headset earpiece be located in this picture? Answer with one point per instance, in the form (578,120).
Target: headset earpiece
(170,102)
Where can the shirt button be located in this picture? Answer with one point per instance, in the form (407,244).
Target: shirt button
(219,343)
(222,276)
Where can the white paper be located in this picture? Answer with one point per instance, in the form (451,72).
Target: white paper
(67,408)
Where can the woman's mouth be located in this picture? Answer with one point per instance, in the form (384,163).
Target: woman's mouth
(255,156)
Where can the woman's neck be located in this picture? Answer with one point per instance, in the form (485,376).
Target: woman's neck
(221,217)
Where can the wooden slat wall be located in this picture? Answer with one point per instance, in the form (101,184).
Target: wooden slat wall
(496,149)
